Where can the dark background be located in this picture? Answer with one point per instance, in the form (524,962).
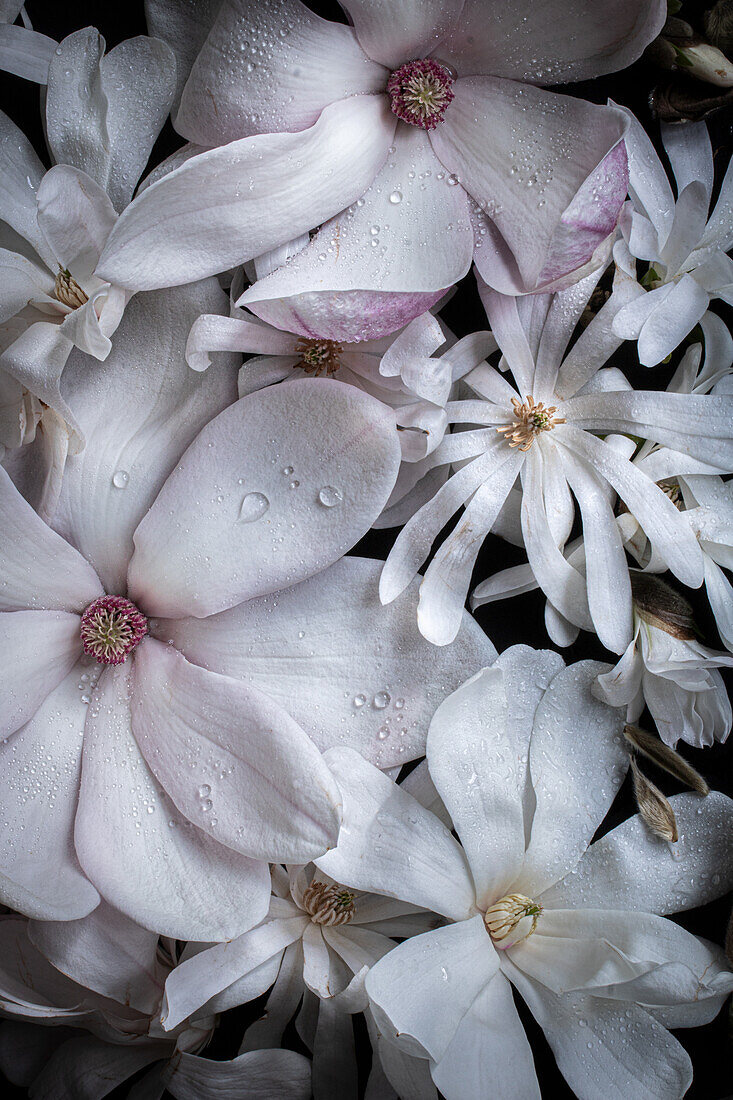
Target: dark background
(508,622)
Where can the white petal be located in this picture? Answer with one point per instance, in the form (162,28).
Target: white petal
(672,320)
(690,154)
(648,183)
(25,52)
(201,732)
(236,88)
(257,1075)
(575,739)
(392,33)
(281,1004)
(90,1067)
(422,990)
(259,192)
(37,651)
(389,844)
(110,486)
(76,217)
(688,224)
(212,540)
(39,870)
(630,868)
(349,671)
(184,25)
(215,333)
(20,174)
(146,859)
(503,314)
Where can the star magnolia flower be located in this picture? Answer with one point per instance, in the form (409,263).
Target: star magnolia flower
(528,764)
(666,669)
(23,51)
(389,136)
(543,431)
(315,946)
(686,250)
(103,977)
(154,670)
(100,132)
(399,370)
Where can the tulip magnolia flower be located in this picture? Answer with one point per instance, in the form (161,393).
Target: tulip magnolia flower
(527,764)
(395,136)
(98,983)
(686,249)
(543,431)
(100,132)
(163,691)
(315,945)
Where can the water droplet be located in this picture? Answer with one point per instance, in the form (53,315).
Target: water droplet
(383,733)
(395,197)
(120,479)
(294,484)
(288,470)
(206,805)
(253,507)
(399,704)
(452,180)
(204,791)
(329,496)
(359,700)
(381,700)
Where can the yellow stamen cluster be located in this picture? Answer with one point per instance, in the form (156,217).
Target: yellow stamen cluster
(511,919)
(329,904)
(68,291)
(530,420)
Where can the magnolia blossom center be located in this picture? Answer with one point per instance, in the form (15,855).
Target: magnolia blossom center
(511,919)
(111,627)
(319,356)
(420,92)
(530,420)
(329,904)
(68,291)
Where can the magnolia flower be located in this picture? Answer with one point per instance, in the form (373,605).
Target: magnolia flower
(98,982)
(315,946)
(23,51)
(686,249)
(402,370)
(160,689)
(543,431)
(668,670)
(527,764)
(392,136)
(100,132)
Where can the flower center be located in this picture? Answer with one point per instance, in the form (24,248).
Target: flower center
(329,904)
(672,490)
(511,919)
(319,356)
(68,291)
(111,627)
(529,421)
(420,92)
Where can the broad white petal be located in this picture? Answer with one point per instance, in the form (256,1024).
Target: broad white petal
(25,52)
(575,739)
(672,320)
(259,192)
(257,1075)
(76,218)
(690,154)
(234,763)
(212,539)
(648,183)
(37,651)
(393,32)
(145,858)
(389,844)
(20,174)
(184,25)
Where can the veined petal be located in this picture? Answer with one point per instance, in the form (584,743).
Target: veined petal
(37,651)
(648,183)
(184,25)
(222,543)
(690,154)
(211,332)
(76,218)
(672,319)
(393,31)
(25,52)
(20,174)
(259,192)
(256,1075)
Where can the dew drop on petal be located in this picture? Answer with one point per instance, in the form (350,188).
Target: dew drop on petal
(381,700)
(120,478)
(329,496)
(359,700)
(395,197)
(253,507)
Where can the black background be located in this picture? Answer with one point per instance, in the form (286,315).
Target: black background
(522,618)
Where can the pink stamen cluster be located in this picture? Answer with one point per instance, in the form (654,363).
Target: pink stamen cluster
(111,627)
(420,92)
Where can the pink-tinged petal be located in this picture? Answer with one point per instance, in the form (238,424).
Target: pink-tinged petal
(477,753)
(184,25)
(394,31)
(105,952)
(643,1060)
(489,1051)
(390,844)
(232,203)
(199,978)
(271,67)
(25,52)
(349,671)
(76,218)
(257,1075)
(41,763)
(37,651)
(145,858)
(404,242)
(96,119)
(630,868)
(38,569)
(136,424)
(422,990)
(570,804)
(211,541)
(558,147)
(215,333)
(549,43)
(200,731)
